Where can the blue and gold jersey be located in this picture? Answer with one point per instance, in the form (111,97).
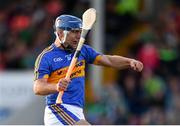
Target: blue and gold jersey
(53,64)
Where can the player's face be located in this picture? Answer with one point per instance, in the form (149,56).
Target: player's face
(73,37)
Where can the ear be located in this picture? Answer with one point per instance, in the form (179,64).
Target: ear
(59,33)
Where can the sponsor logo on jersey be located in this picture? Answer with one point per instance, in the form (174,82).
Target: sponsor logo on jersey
(59,59)
(78,71)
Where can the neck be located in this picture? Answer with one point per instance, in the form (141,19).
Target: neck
(58,44)
(65,47)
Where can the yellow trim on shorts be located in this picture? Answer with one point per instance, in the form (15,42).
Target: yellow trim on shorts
(67,115)
(63,115)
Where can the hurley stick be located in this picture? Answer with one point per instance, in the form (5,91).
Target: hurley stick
(88,19)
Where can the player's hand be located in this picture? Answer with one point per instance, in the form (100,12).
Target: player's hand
(63,84)
(136,65)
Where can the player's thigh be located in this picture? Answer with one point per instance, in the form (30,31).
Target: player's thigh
(82,122)
(50,118)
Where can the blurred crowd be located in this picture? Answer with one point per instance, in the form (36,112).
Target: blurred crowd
(26,28)
(150,97)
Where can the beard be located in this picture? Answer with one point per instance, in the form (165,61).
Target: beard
(69,48)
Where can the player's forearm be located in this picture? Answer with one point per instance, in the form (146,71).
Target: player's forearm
(44,88)
(119,62)
(114,61)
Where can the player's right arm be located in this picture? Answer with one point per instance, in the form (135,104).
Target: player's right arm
(42,87)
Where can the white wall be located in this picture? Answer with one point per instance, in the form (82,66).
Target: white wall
(18,104)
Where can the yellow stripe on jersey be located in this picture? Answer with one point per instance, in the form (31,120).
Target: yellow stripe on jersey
(38,60)
(78,71)
(97,59)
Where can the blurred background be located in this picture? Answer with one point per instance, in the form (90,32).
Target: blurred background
(147,30)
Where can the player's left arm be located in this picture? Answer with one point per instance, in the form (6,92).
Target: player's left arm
(118,62)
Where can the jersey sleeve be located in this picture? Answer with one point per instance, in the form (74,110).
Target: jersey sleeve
(90,54)
(41,69)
